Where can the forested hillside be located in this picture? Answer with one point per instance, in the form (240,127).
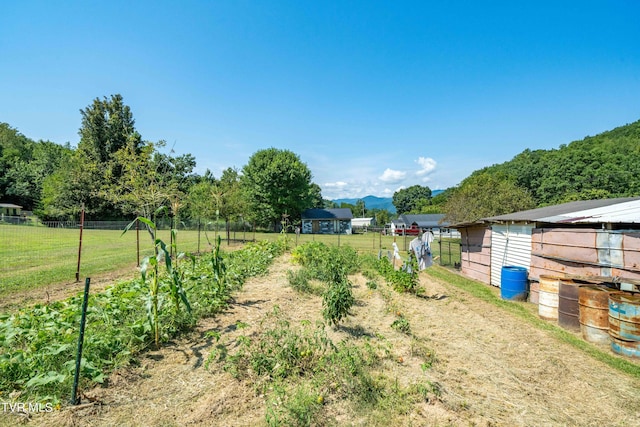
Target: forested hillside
(601,166)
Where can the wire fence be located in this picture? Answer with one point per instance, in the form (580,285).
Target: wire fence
(36,254)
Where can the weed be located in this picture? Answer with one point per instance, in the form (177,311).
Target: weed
(300,281)
(298,407)
(401,324)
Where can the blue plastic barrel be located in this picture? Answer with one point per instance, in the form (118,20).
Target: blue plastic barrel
(513,283)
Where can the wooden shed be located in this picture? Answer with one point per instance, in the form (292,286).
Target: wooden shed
(475,242)
(597,239)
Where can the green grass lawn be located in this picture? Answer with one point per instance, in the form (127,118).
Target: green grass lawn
(33,257)
(37,256)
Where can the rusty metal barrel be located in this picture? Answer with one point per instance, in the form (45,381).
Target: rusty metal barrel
(594,313)
(534,292)
(548,297)
(624,323)
(568,307)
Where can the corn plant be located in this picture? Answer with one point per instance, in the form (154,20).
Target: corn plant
(219,268)
(150,271)
(176,277)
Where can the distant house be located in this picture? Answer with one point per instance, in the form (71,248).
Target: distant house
(10,209)
(413,224)
(362,222)
(327,221)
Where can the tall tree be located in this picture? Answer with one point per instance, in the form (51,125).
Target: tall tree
(408,199)
(316,196)
(277,183)
(486,195)
(230,198)
(107,126)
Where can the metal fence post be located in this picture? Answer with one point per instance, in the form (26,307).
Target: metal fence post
(74,393)
(80,243)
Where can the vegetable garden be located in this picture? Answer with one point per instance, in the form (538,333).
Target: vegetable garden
(313,334)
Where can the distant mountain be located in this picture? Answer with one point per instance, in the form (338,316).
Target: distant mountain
(373,202)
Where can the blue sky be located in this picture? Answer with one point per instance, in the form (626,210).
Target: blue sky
(373,96)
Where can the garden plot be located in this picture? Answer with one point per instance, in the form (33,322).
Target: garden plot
(458,361)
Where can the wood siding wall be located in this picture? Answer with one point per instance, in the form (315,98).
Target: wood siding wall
(476,253)
(585,252)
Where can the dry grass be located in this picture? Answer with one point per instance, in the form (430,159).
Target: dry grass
(490,368)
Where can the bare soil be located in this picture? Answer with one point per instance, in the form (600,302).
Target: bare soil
(493,369)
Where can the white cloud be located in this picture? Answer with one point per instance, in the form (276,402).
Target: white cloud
(427,164)
(392,177)
(337,185)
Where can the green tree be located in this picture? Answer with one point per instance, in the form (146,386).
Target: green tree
(604,165)
(276,183)
(316,196)
(107,127)
(381,216)
(230,198)
(486,195)
(26,177)
(24,165)
(201,200)
(360,209)
(145,184)
(407,199)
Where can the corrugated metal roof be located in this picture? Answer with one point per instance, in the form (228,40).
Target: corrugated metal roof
(10,206)
(579,211)
(626,213)
(337,213)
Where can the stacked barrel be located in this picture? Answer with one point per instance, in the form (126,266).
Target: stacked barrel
(601,314)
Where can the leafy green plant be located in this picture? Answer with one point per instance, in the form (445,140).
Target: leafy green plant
(401,324)
(37,344)
(324,262)
(372,284)
(402,280)
(337,300)
(281,351)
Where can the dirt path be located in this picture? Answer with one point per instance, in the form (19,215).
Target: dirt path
(492,369)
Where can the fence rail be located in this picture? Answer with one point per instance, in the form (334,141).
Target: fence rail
(32,256)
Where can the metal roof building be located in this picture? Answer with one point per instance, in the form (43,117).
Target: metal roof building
(624,210)
(598,239)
